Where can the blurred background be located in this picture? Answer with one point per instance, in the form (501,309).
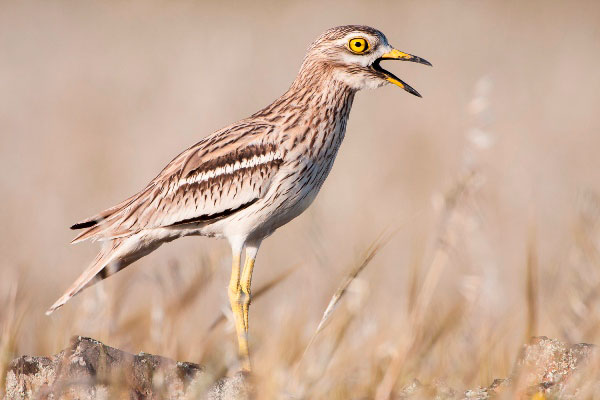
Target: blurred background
(481,198)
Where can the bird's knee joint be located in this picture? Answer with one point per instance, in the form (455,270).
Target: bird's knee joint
(246,299)
(235,294)
(246,290)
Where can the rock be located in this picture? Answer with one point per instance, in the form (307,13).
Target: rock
(491,391)
(417,390)
(544,369)
(88,369)
(547,368)
(234,388)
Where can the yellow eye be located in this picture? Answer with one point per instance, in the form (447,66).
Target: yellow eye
(358,45)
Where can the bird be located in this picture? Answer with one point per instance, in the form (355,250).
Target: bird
(246,180)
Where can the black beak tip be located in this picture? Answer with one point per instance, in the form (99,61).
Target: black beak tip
(421,61)
(412,91)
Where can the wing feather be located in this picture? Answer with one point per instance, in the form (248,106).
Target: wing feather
(223,174)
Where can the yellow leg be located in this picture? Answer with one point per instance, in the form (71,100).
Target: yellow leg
(245,283)
(235,300)
(251,250)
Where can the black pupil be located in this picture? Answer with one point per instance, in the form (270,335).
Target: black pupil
(358,44)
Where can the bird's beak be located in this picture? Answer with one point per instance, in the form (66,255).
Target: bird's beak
(399,55)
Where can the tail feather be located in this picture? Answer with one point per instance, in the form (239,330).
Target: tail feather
(95,225)
(85,224)
(114,256)
(94,220)
(107,224)
(100,227)
(94,231)
(106,263)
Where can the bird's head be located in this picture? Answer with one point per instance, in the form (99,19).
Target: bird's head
(353,53)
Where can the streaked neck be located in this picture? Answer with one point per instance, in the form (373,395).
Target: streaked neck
(314,94)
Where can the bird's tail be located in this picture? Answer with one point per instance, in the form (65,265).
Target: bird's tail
(114,256)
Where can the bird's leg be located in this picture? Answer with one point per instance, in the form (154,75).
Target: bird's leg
(246,282)
(235,300)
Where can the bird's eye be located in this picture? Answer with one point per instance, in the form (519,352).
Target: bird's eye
(358,45)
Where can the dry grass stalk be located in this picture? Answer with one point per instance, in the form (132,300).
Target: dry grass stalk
(176,305)
(370,253)
(12,316)
(531,291)
(443,242)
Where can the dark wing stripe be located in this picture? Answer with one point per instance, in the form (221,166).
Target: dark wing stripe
(214,217)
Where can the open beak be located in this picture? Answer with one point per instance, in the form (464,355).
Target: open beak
(398,55)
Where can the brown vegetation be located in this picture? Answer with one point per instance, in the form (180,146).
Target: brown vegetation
(485,192)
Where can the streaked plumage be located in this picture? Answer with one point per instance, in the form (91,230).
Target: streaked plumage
(246,180)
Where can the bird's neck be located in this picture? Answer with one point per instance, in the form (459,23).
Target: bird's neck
(316,87)
(316,101)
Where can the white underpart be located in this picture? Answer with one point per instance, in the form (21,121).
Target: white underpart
(231,168)
(360,82)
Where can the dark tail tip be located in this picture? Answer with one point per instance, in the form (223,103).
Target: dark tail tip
(85,224)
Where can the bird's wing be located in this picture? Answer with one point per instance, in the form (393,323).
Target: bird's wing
(213,179)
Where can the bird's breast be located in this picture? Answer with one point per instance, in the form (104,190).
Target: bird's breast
(309,139)
(307,164)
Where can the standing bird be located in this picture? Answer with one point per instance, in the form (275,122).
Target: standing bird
(251,177)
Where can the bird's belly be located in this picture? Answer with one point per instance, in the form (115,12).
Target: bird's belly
(287,201)
(296,193)
(294,206)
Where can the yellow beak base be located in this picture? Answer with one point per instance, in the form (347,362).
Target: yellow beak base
(402,56)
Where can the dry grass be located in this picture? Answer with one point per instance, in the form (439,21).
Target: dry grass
(490,184)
